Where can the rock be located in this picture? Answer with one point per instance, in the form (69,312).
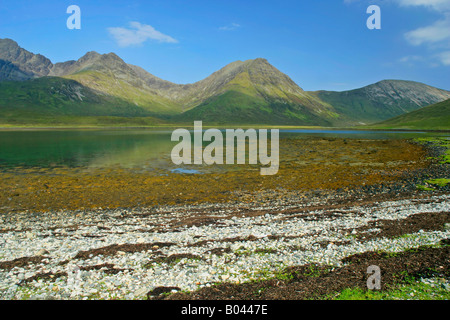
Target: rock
(42,252)
(161,290)
(225,276)
(140,292)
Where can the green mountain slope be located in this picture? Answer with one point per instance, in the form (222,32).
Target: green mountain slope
(111,85)
(49,97)
(433,117)
(382,100)
(105,73)
(235,107)
(254,91)
(110,75)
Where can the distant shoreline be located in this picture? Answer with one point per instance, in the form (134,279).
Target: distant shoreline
(173,126)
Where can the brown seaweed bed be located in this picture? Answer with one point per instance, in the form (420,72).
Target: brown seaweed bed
(306,165)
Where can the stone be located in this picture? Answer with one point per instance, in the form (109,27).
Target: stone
(42,252)
(225,276)
(141,292)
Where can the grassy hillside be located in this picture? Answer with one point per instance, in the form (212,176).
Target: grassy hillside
(255,92)
(238,107)
(79,121)
(126,90)
(50,98)
(434,117)
(382,100)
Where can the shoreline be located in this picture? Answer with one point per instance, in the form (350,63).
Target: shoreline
(195,247)
(190,125)
(191,251)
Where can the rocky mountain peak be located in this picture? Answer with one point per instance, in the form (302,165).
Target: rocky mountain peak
(398,90)
(92,60)
(89,56)
(7,43)
(16,62)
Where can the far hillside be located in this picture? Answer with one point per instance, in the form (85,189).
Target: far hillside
(433,117)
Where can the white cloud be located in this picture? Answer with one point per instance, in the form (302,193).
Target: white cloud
(444,57)
(438,31)
(436,35)
(230,27)
(137,34)
(434,4)
(411,59)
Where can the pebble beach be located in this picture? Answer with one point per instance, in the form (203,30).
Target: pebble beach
(127,254)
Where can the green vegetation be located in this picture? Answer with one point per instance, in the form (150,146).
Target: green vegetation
(380,101)
(433,117)
(41,99)
(311,270)
(407,287)
(439,182)
(46,121)
(444,158)
(265,251)
(441,142)
(416,290)
(113,86)
(240,108)
(424,188)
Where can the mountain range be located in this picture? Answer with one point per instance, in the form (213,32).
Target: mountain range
(103,86)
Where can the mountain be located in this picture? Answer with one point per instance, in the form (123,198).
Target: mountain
(242,92)
(53,100)
(382,100)
(433,117)
(110,75)
(253,91)
(19,64)
(106,74)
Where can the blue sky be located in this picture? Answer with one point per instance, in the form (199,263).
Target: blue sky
(322,44)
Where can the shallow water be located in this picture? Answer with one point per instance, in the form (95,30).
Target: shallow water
(142,148)
(307,164)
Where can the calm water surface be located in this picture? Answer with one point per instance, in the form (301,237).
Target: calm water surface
(127,148)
